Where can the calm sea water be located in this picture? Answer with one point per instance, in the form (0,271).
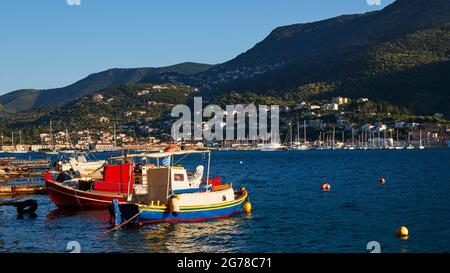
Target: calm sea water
(291,213)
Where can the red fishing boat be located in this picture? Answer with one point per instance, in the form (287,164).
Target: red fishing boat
(117,183)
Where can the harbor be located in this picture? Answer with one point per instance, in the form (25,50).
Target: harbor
(232,135)
(357,207)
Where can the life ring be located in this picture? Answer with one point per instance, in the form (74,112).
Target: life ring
(27,206)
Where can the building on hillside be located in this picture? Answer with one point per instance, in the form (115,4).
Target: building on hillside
(97,97)
(330,107)
(340,100)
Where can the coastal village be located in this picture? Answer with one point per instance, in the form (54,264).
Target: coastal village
(339,123)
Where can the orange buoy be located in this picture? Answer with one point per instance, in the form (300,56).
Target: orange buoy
(382,180)
(326,187)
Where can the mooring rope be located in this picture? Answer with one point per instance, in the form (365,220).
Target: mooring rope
(124,223)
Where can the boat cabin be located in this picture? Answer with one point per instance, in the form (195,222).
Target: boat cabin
(146,182)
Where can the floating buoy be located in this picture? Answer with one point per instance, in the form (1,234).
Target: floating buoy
(382,180)
(175,205)
(402,232)
(248,207)
(326,187)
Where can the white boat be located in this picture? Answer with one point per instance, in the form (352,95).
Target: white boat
(81,163)
(19,152)
(270,147)
(297,145)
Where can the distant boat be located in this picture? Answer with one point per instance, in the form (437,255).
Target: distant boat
(19,152)
(270,147)
(421,147)
(410,146)
(297,145)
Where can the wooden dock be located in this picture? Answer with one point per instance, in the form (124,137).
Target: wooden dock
(11,168)
(21,190)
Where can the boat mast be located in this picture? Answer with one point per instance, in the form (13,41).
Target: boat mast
(115,139)
(51,136)
(12,139)
(304,131)
(353,136)
(420,138)
(68,138)
(290,134)
(334,136)
(209,165)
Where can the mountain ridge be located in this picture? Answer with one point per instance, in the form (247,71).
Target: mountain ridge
(345,52)
(24,99)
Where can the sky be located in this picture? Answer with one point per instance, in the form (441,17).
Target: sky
(53,43)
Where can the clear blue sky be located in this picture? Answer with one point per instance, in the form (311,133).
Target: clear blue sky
(48,43)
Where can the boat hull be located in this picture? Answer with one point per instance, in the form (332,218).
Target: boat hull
(67,197)
(160,214)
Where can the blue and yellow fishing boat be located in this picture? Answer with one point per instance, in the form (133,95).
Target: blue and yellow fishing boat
(167,193)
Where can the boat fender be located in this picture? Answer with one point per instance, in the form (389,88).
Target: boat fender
(174,206)
(27,206)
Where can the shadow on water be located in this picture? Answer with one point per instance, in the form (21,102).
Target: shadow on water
(209,236)
(90,215)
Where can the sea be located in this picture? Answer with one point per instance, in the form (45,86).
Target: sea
(291,213)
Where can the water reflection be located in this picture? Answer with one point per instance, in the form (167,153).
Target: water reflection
(209,236)
(93,216)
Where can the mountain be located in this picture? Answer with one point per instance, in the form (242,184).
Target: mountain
(363,55)
(121,105)
(399,54)
(30,98)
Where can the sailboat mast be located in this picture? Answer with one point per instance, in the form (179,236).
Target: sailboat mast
(353,136)
(115,139)
(51,135)
(334,135)
(420,137)
(304,131)
(290,135)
